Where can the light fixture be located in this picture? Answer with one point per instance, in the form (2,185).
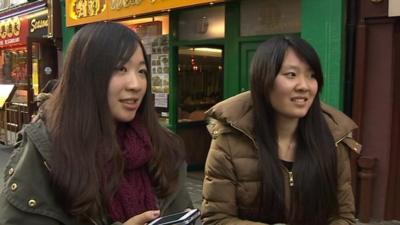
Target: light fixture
(216,50)
(23,11)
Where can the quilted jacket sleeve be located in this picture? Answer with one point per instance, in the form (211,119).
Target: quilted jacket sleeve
(345,192)
(219,194)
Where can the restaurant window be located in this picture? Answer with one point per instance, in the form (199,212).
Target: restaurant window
(200,81)
(202,23)
(13,66)
(153,32)
(265,17)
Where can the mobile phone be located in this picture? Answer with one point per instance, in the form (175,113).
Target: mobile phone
(181,218)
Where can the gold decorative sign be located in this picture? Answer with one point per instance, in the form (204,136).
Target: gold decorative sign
(119,4)
(10,27)
(13,31)
(86,8)
(89,11)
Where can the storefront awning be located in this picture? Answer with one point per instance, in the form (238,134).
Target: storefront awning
(89,11)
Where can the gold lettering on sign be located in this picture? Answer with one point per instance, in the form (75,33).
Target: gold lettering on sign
(16,26)
(3,32)
(10,27)
(119,4)
(87,8)
(37,24)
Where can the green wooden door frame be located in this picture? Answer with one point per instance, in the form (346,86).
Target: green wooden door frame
(67,32)
(174,44)
(247,50)
(326,34)
(232,51)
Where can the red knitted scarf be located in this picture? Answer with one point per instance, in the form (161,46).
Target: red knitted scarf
(135,193)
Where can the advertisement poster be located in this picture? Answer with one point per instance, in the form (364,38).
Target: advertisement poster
(160,65)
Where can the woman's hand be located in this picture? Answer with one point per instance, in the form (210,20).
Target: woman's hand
(143,218)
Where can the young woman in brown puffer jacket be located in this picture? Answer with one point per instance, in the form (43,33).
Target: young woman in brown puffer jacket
(277,156)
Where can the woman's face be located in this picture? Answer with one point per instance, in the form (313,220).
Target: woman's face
(127,88)
(294,87)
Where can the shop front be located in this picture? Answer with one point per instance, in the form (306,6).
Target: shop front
(28,59)
(200,51)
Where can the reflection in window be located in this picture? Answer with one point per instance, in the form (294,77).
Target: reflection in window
(200,81)
(202,23)
(263,17)
(13,66)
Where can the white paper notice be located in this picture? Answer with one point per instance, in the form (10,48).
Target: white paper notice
(161,100)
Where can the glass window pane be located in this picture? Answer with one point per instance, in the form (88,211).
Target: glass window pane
(203,23)
(263,17)
(200,81)
(13,66)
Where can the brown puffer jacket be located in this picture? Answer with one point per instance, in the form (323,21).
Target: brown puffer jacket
(232,181)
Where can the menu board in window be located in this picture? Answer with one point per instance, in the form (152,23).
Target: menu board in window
(160,65)
(6,91)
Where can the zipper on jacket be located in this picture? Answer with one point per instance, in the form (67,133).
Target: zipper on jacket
(291,179)
(92,220)
(290,173)
(252,140)
(290,176)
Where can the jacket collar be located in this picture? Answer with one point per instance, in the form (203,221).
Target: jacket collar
(237,111)
(37,132)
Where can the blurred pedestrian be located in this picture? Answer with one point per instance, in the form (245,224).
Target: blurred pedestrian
(277,156)
(97,155)
(45,93)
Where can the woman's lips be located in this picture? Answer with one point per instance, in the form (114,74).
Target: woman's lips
(130,104)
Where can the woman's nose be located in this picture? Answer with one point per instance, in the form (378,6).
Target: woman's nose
(303,83)
(133,81)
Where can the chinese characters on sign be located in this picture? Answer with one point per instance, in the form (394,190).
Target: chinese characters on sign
(87,8)
(10,31)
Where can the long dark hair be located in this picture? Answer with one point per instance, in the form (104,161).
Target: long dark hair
(313,196)
(87,164)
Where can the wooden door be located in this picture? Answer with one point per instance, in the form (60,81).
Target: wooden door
(393,194)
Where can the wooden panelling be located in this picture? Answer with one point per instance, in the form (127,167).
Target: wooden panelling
(197,142)
(393,195)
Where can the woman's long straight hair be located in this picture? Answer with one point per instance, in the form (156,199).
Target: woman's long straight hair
(313,196)
(86,163)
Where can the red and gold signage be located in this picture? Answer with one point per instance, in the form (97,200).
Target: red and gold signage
(13,31)
(88,11)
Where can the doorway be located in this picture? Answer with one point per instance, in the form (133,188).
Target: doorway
(200,86)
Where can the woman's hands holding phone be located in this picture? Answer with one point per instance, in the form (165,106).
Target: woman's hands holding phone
(143,218)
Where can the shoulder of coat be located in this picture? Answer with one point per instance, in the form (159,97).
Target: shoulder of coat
(216,128)
(350,143)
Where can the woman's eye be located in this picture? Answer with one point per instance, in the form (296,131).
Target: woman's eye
(143,72)
(123,69)
(290,74)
